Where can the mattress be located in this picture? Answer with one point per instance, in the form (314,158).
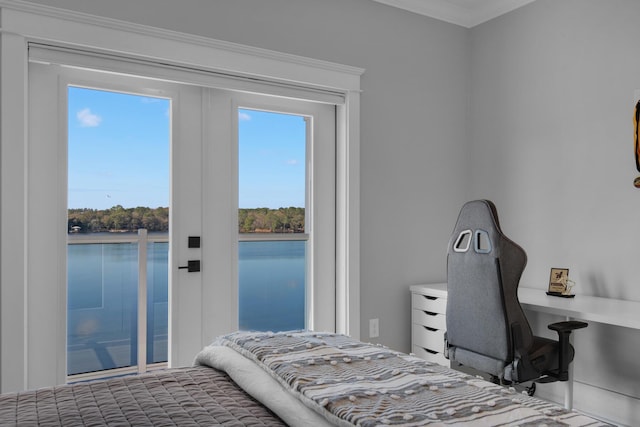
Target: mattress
(193,396)
(346,382)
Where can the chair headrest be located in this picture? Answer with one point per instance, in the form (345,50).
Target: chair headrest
(477,230)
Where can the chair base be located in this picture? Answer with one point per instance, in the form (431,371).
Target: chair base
(530,391)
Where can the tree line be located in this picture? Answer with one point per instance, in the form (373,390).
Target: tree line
(118,218)
(265,220)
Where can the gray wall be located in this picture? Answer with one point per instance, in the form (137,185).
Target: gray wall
(413,128)
(551,137)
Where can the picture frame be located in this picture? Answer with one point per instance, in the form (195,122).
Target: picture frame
(558,280)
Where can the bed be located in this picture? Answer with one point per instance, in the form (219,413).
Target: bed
(192,396)
(297,378)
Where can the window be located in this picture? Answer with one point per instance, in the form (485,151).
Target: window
(272,253)
(118,184)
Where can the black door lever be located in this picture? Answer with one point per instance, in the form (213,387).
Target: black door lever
(192,266)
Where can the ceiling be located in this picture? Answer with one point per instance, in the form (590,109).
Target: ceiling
(467,13)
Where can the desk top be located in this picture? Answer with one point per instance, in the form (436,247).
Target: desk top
(583,307)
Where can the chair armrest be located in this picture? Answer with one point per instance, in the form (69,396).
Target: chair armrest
(564,330)
(567,326)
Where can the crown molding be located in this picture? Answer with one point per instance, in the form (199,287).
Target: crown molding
(455,12)
(161,33)
(452,11)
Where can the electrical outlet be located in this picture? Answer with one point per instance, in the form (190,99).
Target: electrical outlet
(374,330)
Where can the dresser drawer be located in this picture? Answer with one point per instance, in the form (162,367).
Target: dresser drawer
(430,320)
(430,355)
(427,338)
(431,304)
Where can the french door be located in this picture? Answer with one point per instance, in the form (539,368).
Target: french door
(204,137)
(267,290)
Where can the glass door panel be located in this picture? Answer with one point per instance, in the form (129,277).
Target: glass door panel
(118,183)
(272,177)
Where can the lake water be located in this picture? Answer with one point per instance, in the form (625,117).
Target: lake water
(102,298)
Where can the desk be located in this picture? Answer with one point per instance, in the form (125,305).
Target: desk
(582,307)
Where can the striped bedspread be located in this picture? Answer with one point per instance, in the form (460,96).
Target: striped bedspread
(352,383)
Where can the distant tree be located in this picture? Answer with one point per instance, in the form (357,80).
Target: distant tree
(282,220)
(118,218)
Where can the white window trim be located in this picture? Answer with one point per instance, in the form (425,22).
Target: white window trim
(21,23)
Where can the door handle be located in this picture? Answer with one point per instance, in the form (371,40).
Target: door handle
(192,266)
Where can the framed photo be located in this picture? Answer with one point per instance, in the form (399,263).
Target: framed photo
(558,280)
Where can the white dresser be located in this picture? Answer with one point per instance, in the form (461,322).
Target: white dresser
(428,321)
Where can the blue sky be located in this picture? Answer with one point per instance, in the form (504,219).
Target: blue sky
(119,153)
(271,157)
